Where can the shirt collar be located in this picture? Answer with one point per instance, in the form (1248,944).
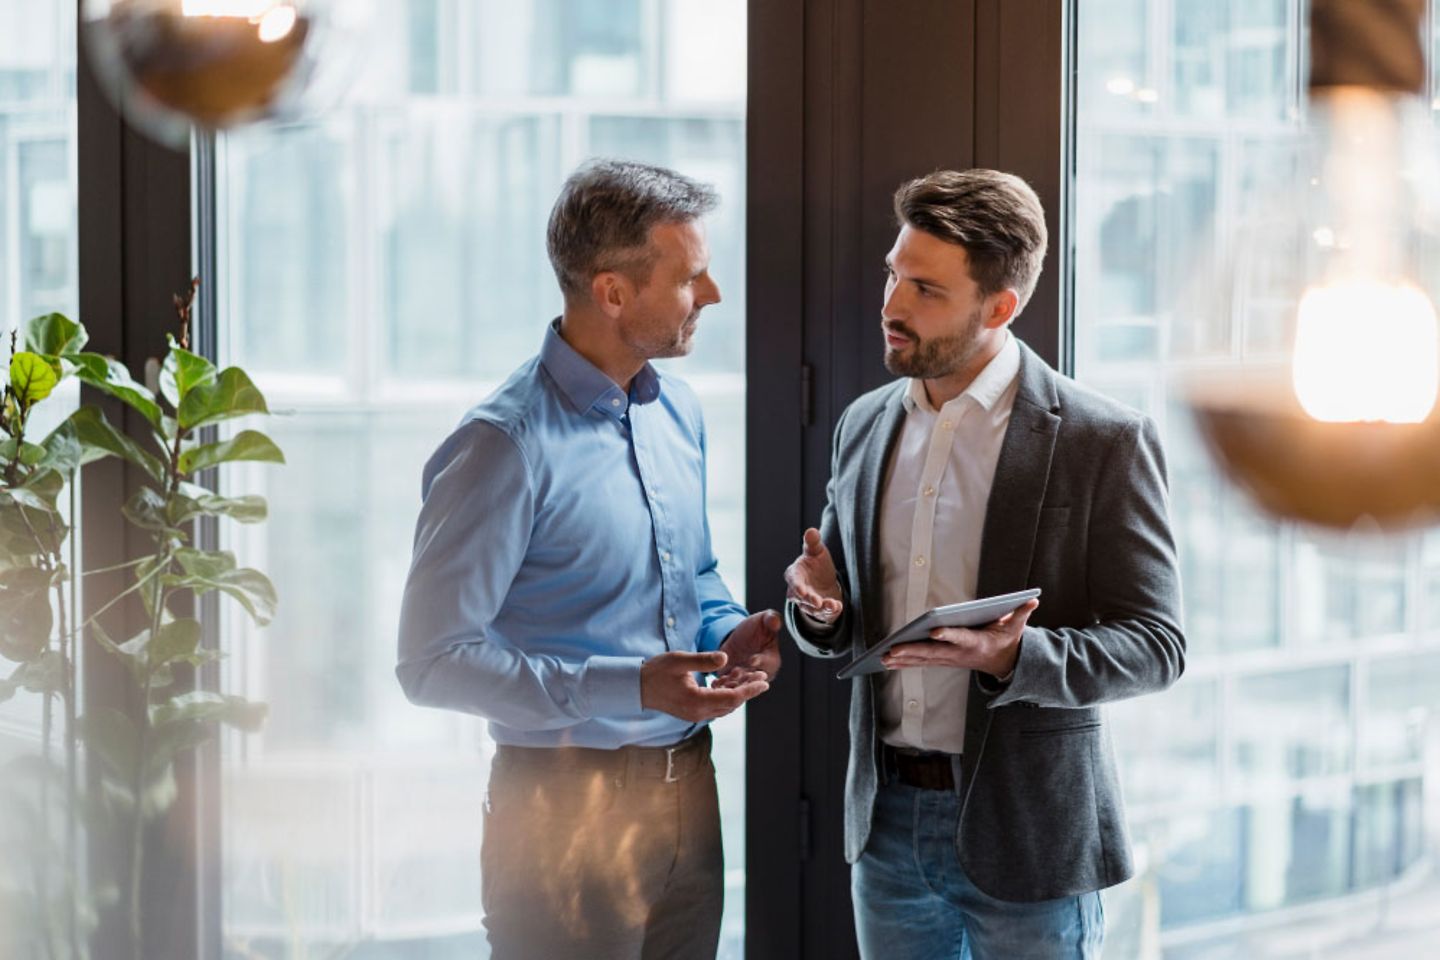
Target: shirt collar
(586,385)
(986,389)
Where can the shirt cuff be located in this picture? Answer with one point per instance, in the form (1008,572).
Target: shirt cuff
(610,687)
(814,625)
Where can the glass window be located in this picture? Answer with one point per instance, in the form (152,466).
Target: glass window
(39,259)
(382,271)
(39,267)
(1296,761)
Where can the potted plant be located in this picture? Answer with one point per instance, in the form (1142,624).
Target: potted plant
(42,635)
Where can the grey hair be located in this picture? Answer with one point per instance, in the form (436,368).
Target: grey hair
(603,217)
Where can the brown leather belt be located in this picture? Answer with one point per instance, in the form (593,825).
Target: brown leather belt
(668,764)
(925,771)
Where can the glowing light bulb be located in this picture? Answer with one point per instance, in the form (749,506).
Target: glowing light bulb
(1366,350)
(277,24)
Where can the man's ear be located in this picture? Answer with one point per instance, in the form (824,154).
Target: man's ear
(611,291)
(1003,307)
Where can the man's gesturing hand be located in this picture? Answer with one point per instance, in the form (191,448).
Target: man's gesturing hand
(668,684)
(812,582)
(752,651)
(992,649)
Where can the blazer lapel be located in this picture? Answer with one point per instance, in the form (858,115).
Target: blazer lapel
(1012,515)
(869,480)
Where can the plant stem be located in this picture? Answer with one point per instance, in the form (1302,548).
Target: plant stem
(137,585)
(99,570)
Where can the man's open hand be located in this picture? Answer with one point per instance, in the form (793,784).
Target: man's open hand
(752,651)
(668,684)
(811,580)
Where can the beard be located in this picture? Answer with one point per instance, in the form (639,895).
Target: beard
(936,357)
(660,342)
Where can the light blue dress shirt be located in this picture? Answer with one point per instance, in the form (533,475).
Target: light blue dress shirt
(563,540)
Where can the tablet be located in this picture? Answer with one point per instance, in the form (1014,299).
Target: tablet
(975,613)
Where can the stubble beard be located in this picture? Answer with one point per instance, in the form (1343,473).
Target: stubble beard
(658,345)
(936,357)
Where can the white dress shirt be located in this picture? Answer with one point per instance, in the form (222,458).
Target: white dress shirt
(931,517)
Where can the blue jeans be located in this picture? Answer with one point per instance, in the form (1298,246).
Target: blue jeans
(913,902)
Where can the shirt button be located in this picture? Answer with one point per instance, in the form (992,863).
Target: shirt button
(947,424)
(929,491)
(919,561)
(912,704)
(665,556)
(614,401)
(669,621)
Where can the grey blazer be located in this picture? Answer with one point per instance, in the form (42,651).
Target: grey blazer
(1079,509)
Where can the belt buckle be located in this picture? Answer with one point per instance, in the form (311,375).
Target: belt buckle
(670,765)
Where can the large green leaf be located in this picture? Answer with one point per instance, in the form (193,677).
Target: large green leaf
(232,394)
(44,674)
(205,563)
(191,501)
(113,737)
(206,571)
(25,614)
(176,641)
(54,334)
(146,509)
(204,705)
(31,377)
(95,438)
(245,445)
(29,454)
(110,376)
(61,450)
(184,371)
(172,739)
(40,491)
(27,531)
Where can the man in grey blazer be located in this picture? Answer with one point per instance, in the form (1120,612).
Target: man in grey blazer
(983,811)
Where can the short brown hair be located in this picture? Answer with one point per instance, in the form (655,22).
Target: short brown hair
(995,216)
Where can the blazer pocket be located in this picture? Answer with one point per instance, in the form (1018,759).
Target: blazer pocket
(1064,730)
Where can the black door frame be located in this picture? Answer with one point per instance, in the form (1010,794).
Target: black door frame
(847,99)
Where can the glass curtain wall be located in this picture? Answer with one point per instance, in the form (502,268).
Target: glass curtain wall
(381,271)
(1285,795)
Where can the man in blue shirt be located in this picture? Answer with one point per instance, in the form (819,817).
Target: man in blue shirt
(563,587)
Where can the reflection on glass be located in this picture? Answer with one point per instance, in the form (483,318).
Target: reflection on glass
(381,273)
(1291,779)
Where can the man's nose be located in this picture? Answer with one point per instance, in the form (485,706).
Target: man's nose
(894,307)
(710,292)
